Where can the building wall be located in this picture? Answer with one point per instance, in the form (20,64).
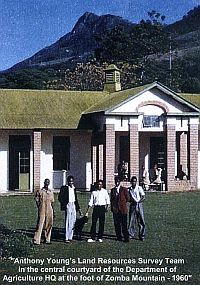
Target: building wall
(46,170)
(144,141)
(3,161)
(80,158)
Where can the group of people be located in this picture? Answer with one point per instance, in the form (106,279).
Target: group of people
(100,200)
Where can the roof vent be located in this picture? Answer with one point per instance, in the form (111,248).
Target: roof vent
(112,79)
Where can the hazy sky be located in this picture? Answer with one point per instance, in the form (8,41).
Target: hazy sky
(26,26)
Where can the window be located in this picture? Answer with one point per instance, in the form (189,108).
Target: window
(24,162)
(151,121)
(61,153)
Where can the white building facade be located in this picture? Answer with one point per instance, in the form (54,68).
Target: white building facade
(141,126)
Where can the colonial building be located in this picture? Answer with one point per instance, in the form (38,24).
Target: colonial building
(51,134)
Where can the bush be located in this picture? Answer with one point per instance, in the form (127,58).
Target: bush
(14,244)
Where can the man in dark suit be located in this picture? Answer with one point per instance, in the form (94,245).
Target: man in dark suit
(119,198)
(69,203)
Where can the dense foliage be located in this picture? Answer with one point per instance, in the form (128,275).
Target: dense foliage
(146,38)
(142,52)
(183,77)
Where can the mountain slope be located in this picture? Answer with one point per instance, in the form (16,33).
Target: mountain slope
(77,45)
(55,67)
(187,24)
(186,32)
(80,43)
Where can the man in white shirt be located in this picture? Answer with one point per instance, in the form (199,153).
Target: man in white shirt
(136,213)
(100,201)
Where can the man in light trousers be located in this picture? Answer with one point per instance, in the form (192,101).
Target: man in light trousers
(44,199)
(136,213)
(69,203)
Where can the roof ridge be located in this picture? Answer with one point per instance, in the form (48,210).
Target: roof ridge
(134,88)
(51,90)
(117,93)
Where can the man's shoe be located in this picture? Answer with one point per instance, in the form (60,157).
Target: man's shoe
(141,238)
(100,240)
(90,240)
(67,241)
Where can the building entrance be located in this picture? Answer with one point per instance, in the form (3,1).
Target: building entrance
(19,162)
(157,152)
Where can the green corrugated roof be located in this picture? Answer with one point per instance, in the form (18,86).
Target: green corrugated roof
(116,98)
(119,97)
(193,98)
(22,109)
(51,109)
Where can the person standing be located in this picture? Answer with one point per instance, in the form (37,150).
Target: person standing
(44,199)
(136,214)
(69,203)
(123,171)
(100,201)
(157,174)
(145,179)
(119,198)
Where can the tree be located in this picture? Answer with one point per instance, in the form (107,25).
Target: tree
(115,45)
(156,18)
(146,38)
(191,85)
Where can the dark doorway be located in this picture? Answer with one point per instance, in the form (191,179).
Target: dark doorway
(157,152)
(61,153)
(124,149)
(123,166)
(19,162)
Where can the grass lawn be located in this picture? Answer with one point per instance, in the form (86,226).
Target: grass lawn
(172,223)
